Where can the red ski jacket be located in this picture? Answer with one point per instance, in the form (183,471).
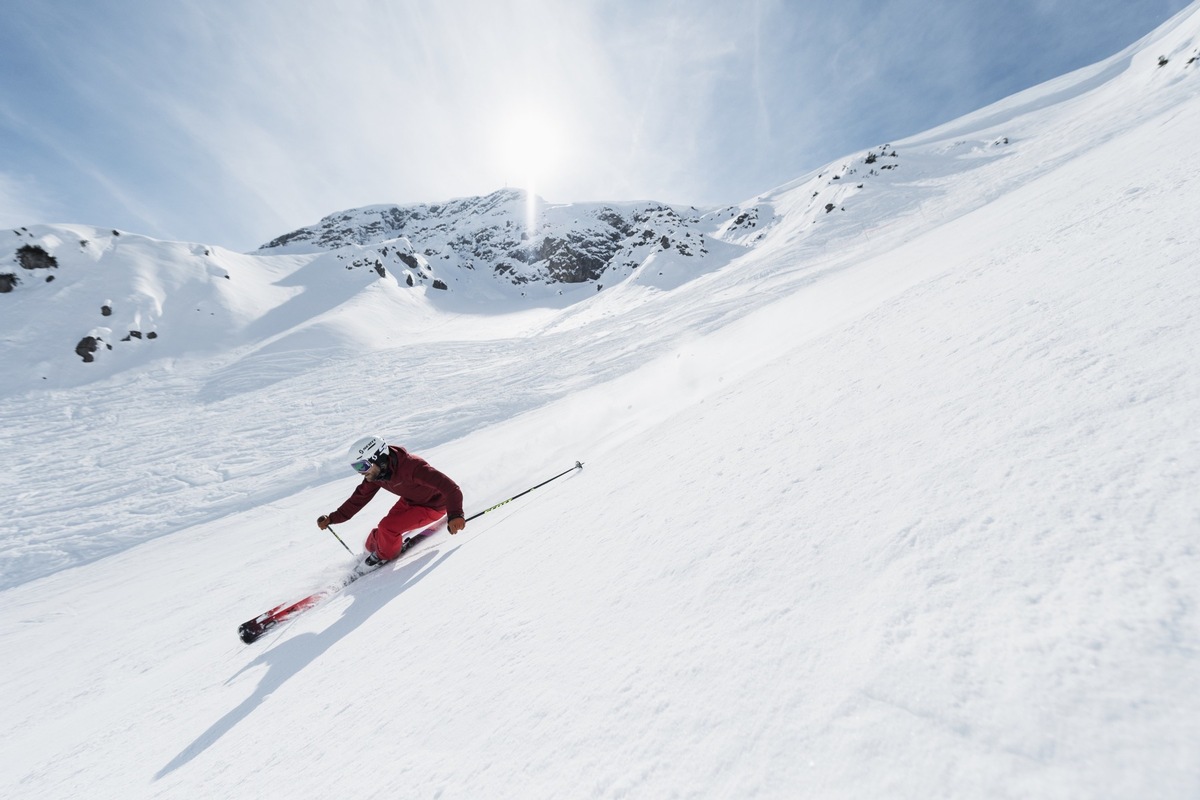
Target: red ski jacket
(417,483)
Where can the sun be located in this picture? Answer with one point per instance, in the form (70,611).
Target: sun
(529,147)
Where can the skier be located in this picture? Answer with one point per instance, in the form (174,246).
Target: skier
(426,495)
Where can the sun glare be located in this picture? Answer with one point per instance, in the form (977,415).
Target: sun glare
(530,146)
(529,149)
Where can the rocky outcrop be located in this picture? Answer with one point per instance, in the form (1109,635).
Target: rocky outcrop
(514,237)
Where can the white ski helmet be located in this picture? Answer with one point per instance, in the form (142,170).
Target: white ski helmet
(366,451)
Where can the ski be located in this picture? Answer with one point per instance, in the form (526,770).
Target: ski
(253,629)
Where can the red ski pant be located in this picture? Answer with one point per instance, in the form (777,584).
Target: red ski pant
(387,539)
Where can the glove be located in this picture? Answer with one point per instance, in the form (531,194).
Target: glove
(323,521)
(455,525)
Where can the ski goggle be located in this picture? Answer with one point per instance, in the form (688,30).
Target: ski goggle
(361,466)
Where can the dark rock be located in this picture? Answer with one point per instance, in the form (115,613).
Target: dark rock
(577,259)
(8,282)
(106,311)
(32,256)
(87,345)
(616,222)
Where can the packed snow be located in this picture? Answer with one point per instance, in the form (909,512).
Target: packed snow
(896,499)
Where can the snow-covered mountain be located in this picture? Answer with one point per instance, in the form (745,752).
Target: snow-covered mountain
(520,239)
(82,294)
(890,493)
(78,293)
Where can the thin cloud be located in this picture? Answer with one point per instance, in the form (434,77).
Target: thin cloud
(19,204)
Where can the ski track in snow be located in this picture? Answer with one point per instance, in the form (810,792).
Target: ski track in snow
(900,506)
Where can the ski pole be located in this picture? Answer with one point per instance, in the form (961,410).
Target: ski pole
(578,465)
(331,530)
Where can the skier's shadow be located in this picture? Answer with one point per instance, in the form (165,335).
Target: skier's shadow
(295,653)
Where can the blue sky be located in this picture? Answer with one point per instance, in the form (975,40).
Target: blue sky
(230,122)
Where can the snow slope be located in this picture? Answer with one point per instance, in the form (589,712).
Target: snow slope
(900,503)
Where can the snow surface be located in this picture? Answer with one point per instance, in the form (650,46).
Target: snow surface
(899,503)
